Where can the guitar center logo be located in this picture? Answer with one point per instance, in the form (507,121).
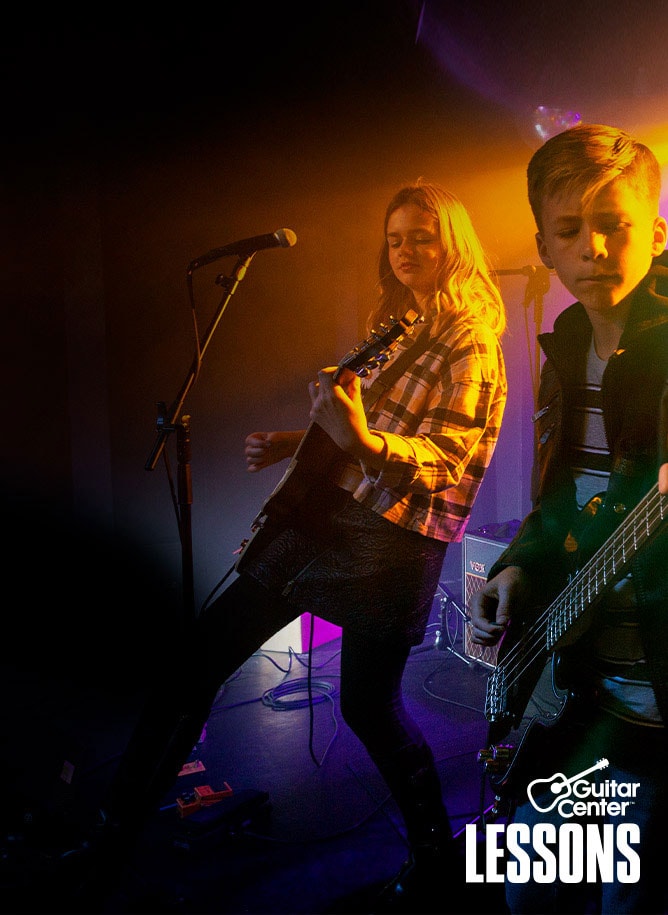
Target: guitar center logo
(575,796)
(572,845)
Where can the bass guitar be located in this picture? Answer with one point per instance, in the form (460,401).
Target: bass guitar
(317,456)
(531,656)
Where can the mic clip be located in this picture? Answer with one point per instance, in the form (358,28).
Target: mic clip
(229,282)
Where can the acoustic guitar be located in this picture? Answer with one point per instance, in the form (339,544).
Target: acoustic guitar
(317,456)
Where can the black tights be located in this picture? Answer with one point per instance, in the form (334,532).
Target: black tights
(225,635)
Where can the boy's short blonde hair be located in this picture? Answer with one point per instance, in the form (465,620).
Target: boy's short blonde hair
(586,158)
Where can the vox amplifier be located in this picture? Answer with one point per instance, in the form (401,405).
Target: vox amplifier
(480,552)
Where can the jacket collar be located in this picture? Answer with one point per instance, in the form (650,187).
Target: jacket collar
(649,309)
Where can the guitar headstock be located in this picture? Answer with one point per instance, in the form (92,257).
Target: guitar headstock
(378,346)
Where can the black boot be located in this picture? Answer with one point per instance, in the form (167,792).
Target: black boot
(431,865)
(421,884)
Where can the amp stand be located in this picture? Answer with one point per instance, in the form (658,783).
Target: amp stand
(447,600)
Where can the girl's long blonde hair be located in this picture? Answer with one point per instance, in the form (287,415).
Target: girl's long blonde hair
(464,284)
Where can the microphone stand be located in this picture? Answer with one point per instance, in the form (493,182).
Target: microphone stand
(171,420)
(538,283)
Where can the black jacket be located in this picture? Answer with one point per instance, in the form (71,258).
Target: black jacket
(635,406)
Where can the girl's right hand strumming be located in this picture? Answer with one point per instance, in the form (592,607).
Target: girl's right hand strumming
(265,448)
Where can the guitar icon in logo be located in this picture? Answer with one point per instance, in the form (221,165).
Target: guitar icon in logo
(559,785)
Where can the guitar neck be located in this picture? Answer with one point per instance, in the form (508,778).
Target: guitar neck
(608,564)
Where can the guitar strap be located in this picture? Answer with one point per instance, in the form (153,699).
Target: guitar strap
(387,376)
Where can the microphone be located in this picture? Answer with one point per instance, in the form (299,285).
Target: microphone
(530,270)
(281,238)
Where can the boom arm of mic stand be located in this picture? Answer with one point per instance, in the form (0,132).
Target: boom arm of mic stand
(167,422)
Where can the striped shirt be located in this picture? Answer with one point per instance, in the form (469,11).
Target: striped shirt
(440,423)
(589,453)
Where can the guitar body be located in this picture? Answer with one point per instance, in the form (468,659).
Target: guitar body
(317,460)
(318,457)
(518,743)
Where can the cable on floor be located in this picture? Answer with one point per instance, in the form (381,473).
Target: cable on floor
(276,696)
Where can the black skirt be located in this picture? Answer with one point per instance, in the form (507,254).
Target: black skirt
(346,564)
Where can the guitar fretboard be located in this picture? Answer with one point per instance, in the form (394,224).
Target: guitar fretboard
(608,564)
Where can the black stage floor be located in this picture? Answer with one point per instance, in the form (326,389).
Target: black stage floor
(309,826)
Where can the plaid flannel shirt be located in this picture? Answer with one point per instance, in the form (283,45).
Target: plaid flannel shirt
(440,423)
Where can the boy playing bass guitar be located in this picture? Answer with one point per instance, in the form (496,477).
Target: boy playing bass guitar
(598,514)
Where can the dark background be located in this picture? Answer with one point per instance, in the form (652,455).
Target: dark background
(133,142)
